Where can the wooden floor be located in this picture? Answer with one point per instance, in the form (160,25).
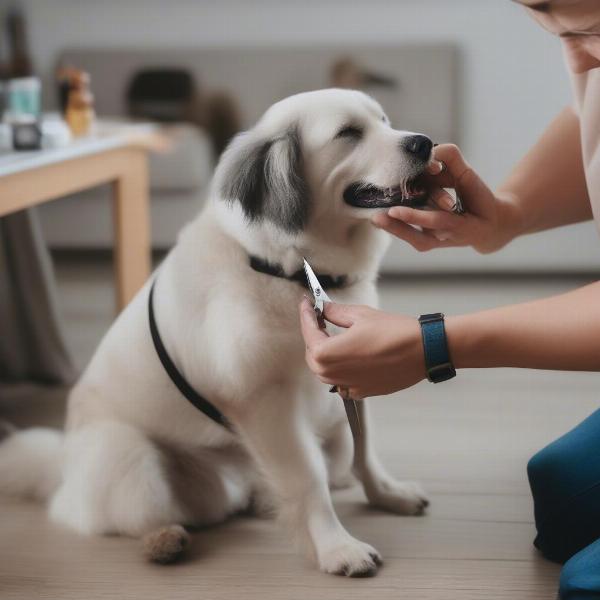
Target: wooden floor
(467,441)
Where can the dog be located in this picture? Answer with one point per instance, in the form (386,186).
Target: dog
(136,458)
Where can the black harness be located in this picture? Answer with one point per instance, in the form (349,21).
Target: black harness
(200,402)
(187,391)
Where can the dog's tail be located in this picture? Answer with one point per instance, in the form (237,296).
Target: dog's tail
(29,461)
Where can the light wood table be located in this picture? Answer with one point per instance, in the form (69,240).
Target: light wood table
(116,154)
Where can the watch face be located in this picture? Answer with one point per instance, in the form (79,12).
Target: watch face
(442,374)
(27,136)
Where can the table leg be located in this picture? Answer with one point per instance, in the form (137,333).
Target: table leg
(131,222)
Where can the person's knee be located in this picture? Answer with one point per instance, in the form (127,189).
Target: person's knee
(543,471)
(580,576)
(537,466)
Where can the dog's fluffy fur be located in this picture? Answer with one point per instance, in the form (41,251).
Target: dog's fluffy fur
(136,458)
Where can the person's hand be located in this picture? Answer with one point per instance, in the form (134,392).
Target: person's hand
(377,353)
(487,224)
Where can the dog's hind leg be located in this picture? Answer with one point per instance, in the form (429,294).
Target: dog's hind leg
(114,481)
(381,489)
(209,485)
(283,444)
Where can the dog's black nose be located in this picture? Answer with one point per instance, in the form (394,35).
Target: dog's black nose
(419,145)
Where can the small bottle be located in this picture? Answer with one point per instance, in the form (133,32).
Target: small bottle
(80,108)
(64,77)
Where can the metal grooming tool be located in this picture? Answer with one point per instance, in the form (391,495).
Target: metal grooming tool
(320,297)
(458,209)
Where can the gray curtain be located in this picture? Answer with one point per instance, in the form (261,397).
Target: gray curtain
(32,346)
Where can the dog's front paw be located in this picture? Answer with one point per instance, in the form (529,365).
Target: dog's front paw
(400,497)
(351,558)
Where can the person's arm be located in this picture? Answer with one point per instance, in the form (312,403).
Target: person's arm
(546,189)
(548,184)
(379,353)
(558,333)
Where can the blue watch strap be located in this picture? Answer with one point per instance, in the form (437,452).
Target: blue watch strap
(437,358)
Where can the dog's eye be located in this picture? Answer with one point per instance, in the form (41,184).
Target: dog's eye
(350,131)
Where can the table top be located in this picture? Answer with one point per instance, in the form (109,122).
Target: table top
(108,135)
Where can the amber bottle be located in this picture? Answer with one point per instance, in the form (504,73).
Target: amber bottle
(80,107)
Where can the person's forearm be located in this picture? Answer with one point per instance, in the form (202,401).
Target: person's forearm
(547,187)
(558,333)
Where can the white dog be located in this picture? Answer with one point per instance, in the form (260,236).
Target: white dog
(137,458)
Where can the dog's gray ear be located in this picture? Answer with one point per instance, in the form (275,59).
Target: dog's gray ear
(265,177)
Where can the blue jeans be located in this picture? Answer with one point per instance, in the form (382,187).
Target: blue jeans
(565,483)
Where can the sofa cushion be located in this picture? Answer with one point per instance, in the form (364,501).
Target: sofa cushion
(187,164)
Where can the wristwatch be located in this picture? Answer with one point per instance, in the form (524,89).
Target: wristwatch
(437,358)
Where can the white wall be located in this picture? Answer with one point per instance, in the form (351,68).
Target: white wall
(513,81)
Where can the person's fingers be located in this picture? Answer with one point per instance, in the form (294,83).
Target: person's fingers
(311,332)
(435,167)
(356,393)
(324,378)
(419,240)
(337,357)
(380,219)
(442,236)
(430,219)
(472,190)
(342,315)
(442,199)
(321,349)
(455,165)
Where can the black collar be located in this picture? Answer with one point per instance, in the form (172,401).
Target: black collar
(329,282)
